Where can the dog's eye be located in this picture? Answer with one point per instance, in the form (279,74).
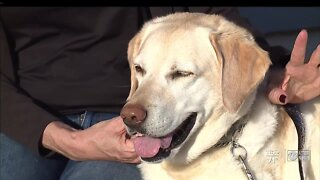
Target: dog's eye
(139,69)
(178,74)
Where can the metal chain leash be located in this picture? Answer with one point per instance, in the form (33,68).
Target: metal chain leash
(242,158)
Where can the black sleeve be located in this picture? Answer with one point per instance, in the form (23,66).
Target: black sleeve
(279,55)
(21,118)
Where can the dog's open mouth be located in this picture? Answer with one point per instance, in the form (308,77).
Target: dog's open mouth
(153,149)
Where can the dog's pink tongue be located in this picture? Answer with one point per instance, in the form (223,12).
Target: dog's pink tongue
(147,146)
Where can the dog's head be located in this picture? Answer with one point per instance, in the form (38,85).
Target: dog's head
(190,73)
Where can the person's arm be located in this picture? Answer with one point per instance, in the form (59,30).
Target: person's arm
(21,118)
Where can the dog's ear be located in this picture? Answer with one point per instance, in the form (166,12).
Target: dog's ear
(243,67)
(133,50)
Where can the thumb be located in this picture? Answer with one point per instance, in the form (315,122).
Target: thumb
(130,145)
(278,96)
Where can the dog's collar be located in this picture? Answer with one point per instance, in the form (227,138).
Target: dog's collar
(231,137)
(233,132)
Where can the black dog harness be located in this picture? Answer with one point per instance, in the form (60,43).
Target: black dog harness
(297,118)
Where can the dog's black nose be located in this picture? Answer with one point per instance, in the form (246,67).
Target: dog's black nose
(133,114)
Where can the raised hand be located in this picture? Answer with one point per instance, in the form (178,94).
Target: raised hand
(301,81)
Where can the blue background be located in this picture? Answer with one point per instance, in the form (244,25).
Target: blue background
(281,25)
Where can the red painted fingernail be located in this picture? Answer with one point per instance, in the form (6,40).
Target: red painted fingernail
(282,98)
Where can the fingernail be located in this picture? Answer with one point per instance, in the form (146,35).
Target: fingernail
(282,98)
(304,30)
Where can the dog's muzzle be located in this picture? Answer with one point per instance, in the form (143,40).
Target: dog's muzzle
(154,149)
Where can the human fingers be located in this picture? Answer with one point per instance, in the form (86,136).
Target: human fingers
(118,119)
(128,144)
(315,57)
(277,96)
(132,159)
(136,160)
(118,124)
(299,49)
(129,153)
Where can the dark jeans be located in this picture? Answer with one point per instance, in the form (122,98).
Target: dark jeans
(19,163)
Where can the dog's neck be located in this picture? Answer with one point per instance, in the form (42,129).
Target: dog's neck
(253,116)
(235,129)
(254,128)
(262,122)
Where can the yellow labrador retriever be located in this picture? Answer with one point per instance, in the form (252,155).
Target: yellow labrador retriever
(197,107)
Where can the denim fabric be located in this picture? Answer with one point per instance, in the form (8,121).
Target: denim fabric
(18,163)
(100,170)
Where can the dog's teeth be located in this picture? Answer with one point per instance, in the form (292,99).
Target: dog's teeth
(139,135)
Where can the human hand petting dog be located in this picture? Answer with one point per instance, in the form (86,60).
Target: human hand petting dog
(106,140)
(301,81)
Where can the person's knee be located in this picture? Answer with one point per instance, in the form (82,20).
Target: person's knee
(17,162)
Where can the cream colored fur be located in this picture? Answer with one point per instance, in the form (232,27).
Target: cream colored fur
(223,72)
